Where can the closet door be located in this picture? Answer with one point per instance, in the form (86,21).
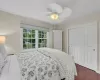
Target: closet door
(57,42)
(82,43)
(76,44)
(91,47)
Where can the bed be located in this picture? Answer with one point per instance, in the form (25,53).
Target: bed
(39,64)
(11,70)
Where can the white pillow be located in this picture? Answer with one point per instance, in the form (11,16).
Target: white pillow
(3,51)
(3,56)
(2,62)
(9,50)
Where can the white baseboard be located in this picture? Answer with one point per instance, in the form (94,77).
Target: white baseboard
(98,72)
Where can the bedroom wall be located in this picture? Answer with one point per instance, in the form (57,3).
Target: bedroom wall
(74,22)
(10,27)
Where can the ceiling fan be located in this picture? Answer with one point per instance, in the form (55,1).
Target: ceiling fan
(56,12)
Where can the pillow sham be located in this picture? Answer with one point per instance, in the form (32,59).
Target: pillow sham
(2,62)
(9,50)
(3,51)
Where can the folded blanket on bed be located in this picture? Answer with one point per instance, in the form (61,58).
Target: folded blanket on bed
(67,65)
(61,68)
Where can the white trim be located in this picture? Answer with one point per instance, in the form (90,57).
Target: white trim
(68,40)
(98,72)
(82,25)
(48,41)
(98,43)
(27,50)
(36,38)
(28,26)
(21,38)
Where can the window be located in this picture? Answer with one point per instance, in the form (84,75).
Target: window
(42,39)
(34,38)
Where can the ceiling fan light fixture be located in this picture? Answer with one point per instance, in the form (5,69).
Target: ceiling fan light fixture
(54,16)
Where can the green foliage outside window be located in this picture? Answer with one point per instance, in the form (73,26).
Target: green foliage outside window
(29,39)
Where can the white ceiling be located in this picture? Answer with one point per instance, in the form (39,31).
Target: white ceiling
(36,8)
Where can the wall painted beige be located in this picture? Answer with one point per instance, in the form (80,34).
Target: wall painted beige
(10,27)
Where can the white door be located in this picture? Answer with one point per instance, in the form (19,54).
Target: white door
(57,36)
(82,43)
(91,55)
(76,44)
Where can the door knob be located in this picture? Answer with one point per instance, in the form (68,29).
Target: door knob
(93,49)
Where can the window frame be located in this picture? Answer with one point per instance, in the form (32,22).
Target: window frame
(36,38)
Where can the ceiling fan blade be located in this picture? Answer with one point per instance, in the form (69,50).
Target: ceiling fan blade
(66,13)
(55,8)
(47,13)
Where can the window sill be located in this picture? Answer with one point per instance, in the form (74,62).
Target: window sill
(28,50)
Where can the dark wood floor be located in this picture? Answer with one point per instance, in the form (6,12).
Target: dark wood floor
(86,74)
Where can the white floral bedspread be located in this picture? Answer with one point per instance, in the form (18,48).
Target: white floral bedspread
(43,64)
(37,66)
(64,61)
